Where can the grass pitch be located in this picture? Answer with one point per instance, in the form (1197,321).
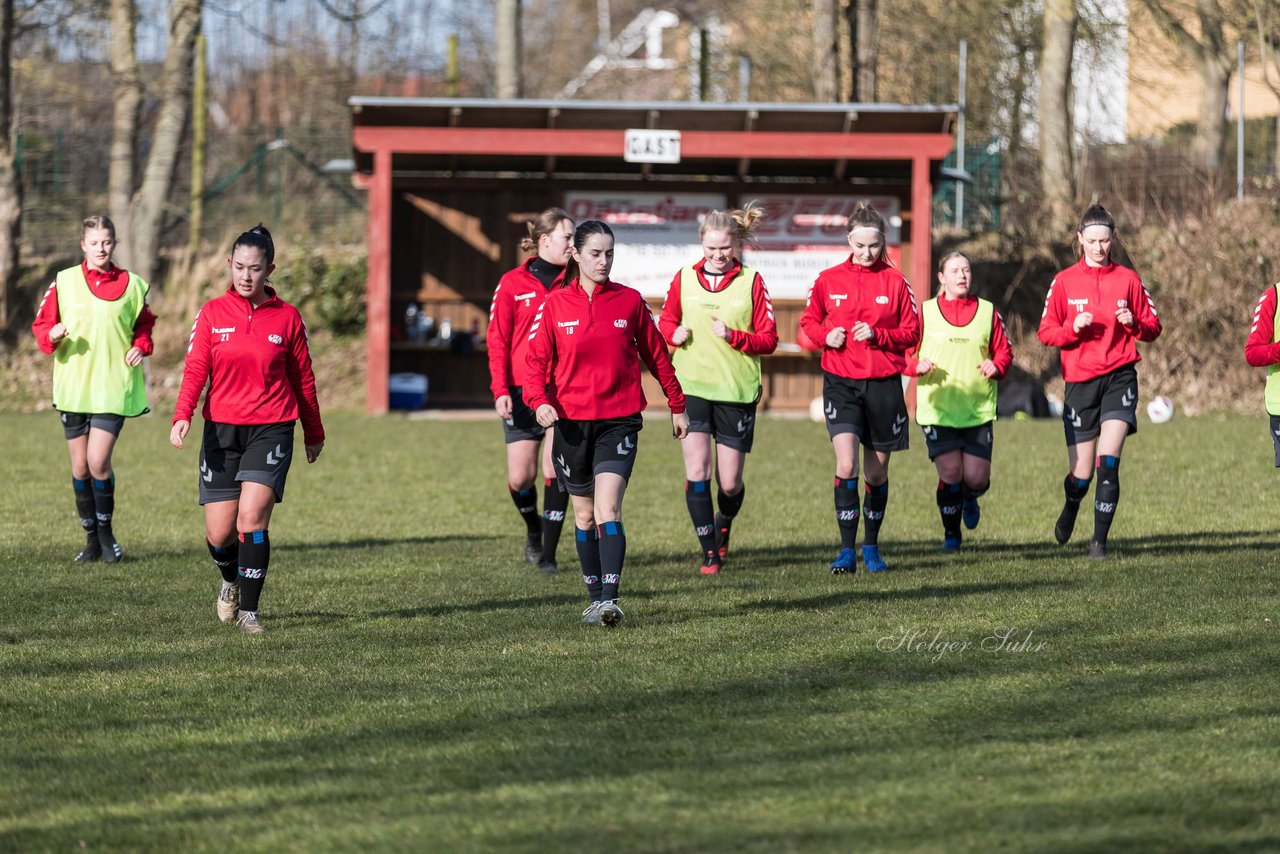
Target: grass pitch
(423,688)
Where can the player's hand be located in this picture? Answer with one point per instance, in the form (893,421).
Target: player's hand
(1082,320)
(862,331)
(719,329)
(178,432)
(988,369)
(133,358)
(835,338)
(680,336)
(502,406)
(546,415)
(58,332)
(1124,316)
(313,451)
(679,424)
(923,367)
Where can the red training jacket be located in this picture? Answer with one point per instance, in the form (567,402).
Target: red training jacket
(516,301)
(877,295)
(255,362)
(761,341)
(960,312)
(1260,349)
(109,286)
(1105,344)
(585,353)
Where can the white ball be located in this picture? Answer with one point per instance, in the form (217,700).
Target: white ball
(815,410)
(1160,409)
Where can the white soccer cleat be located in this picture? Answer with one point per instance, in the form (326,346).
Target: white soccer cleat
(610,613)
(228,601)
(248,623)
(591,616)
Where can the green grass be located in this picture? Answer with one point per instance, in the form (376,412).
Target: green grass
(422,688)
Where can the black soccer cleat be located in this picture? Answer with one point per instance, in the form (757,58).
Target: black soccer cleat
(533,548)
(1097,550)
(92,549)
(111,551)
(1066,522)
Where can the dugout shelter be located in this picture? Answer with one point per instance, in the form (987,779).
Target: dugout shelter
(451,183)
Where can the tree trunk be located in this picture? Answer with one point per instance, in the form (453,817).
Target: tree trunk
(10,187)
(1056,137)
(1214,58)
(1215,61)
(826,53)
(175,103)
(864,39)
(127,94)
(509,50)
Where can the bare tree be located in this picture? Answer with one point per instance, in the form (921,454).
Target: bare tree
(127,93)
(175,102)
(826,54)
(1213,55)
(864,44)
(509,49)
(1056,134)
(10,188)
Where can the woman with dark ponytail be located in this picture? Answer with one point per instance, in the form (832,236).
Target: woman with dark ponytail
(865,315)
(586,345)
(516,300)
(95,322)
(1096,312)
(250,348)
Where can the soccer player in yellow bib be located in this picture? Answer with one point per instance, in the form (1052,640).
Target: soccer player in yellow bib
(95,322)
(719,319)
(963,353)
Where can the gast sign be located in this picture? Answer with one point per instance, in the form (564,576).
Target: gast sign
(652,146)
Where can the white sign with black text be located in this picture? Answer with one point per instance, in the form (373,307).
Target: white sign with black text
(652,146)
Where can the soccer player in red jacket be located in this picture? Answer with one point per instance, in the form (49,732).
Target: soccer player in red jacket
(97,326)
(583,376)
(516,301)
(1262,350)
(719,318)
(1096,312)
(865,316)
(250,348)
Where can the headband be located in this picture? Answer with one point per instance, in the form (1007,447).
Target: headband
(870,228)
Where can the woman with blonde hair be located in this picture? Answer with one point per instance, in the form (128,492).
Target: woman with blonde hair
(719,319)
(95,322)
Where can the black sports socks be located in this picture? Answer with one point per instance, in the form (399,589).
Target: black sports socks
(254,558)
(846,494)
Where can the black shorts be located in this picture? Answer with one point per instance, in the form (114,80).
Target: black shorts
(1110,397)
(730,424)
(522,426)
(974,441)
(232,453)
(1275,437)
(77,424)
(581,450)
(873,410)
